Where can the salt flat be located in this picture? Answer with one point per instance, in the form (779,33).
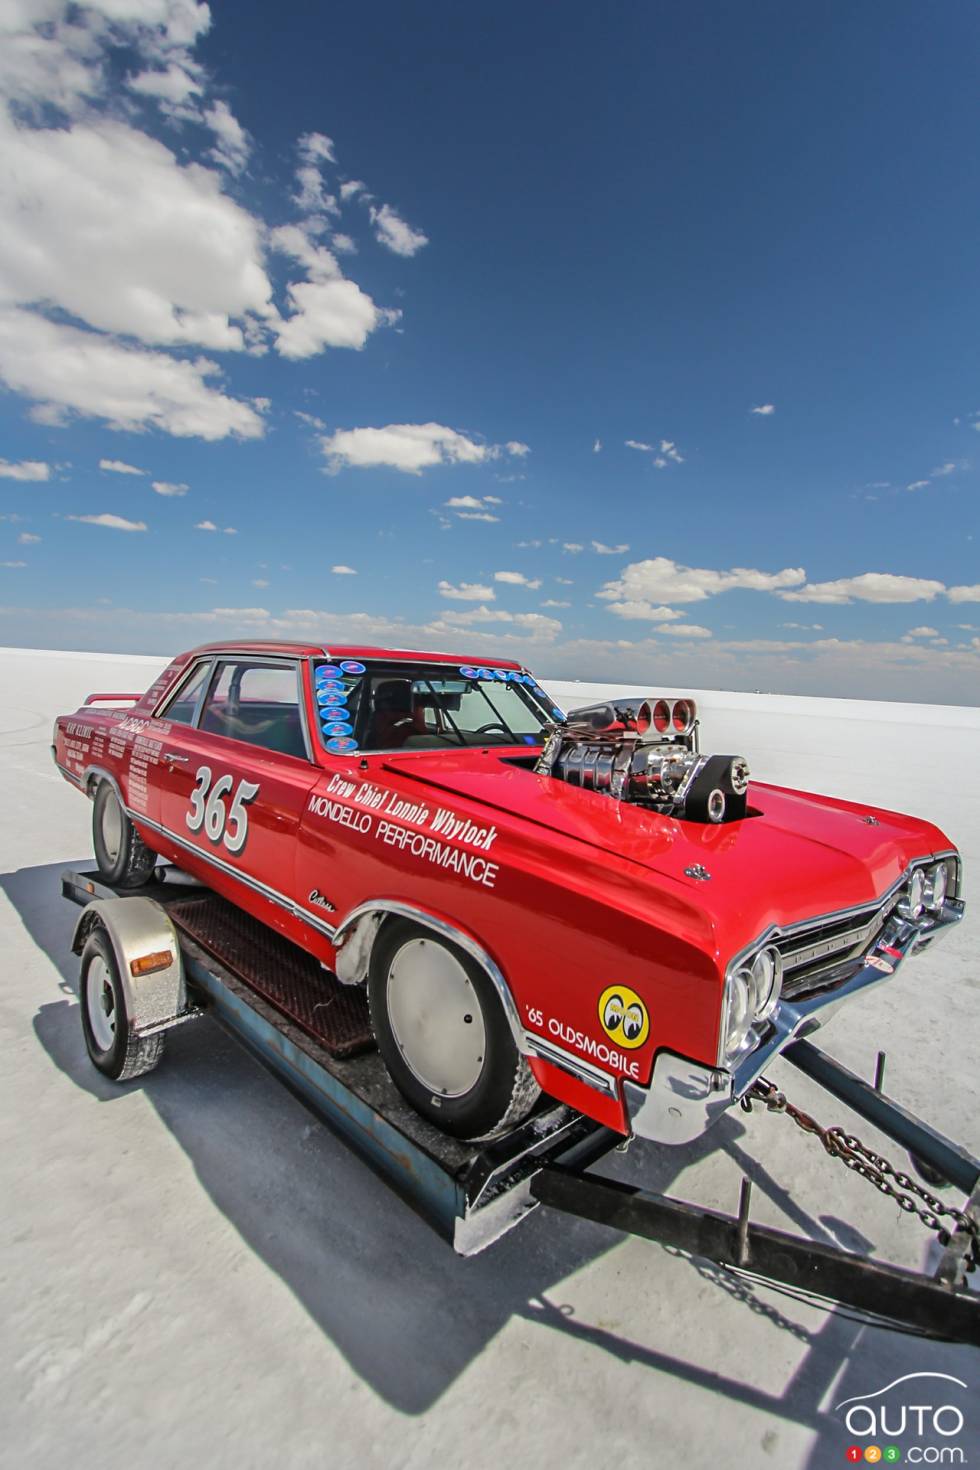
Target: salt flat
(194,1271)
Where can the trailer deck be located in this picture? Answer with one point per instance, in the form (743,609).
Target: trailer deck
(261,990)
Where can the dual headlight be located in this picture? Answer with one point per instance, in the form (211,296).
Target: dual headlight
(752,993)
(925,892)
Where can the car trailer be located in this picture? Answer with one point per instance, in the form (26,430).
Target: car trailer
(180,952)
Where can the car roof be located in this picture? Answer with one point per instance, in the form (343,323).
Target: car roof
(353,651)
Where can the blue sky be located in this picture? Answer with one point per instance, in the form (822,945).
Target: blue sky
(638,342)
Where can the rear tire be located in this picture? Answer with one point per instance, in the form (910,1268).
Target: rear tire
(121,855)
(443,1035)
(112,1045)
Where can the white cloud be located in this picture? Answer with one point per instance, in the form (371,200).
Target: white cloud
(923,632)
(668,448)
(327,313)
(565,581)
(410,448)
(27,538)
(917,485)
(12,564)
(572,547)
(476,515)
(640,610)
(463,502)
(310,419)
(351,187)
(165,487)
(120,467)
(104,222)
(342,571)
(113,523)
(260,582)
(687,630)
(949,468)
(964,594)
(555,602)
(764,409)
(536,624)
(518,579)
(868,587)
(639,444)
(27,469)
(174,86)
(317,146)
(232,148)
(597,447)
(128,387)
(660,580)
(668,451)
(517,449)
(391,231)
(603,550)
(344,243)
(804,627)
(467,592)
(205,526)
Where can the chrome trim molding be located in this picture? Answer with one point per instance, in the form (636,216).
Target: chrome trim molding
(291,905)
(567,1061)
(456,936)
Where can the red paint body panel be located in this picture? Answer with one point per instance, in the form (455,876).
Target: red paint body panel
(568,891)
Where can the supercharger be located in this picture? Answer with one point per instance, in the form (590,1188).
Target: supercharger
(646,751)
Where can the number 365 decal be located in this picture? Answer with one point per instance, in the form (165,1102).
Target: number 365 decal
(221,823)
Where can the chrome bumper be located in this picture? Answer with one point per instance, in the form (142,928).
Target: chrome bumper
(684,1098)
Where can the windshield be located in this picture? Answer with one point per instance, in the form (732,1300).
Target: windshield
(402,706)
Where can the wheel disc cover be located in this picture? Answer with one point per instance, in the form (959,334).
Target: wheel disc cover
(112,828)
(435,1017)
(100,1004)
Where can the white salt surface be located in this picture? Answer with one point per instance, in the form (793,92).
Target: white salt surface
(195,1272)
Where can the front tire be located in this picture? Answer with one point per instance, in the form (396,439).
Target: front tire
(112,1045)
(443,1035)
(121,855)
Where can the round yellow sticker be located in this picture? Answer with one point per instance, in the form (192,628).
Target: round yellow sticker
(623,1016)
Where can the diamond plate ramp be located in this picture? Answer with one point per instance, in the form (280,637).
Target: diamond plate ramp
(293,981)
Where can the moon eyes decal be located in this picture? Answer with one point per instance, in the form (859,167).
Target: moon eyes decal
(623,1016)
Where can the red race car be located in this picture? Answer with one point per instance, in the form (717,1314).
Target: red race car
(584,904)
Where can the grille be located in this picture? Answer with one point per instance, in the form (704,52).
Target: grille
(827,954)
(293,981)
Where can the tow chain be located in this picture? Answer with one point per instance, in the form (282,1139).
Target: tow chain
(874,1167)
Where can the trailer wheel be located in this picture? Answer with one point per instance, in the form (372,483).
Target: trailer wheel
(112,1045)
(121,855)
(443,1036)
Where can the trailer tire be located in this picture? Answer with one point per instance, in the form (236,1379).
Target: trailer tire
(443,1035)
(121,855)
(112,1044)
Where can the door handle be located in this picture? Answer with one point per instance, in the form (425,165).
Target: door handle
(171,757)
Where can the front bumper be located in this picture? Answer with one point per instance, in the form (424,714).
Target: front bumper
(684,1098)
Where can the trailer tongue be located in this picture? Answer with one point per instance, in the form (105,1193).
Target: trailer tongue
(173,953)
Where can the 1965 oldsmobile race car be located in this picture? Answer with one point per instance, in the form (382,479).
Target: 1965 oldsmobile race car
(584,904)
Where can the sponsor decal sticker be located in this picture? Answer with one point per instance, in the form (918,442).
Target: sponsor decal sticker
(341,745)
(327,671)
(623,1016)
(351,666)
(331,696)
(339,727)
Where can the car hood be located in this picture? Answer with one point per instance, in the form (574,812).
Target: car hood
(798,856)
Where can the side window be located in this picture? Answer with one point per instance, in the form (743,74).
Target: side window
(183,706)
(256,703)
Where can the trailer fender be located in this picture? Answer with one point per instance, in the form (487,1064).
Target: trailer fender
(147,951)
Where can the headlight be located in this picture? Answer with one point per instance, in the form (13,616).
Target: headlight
(738,1012)
(936,884)
(765,982)
(752,994)
(911,903)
